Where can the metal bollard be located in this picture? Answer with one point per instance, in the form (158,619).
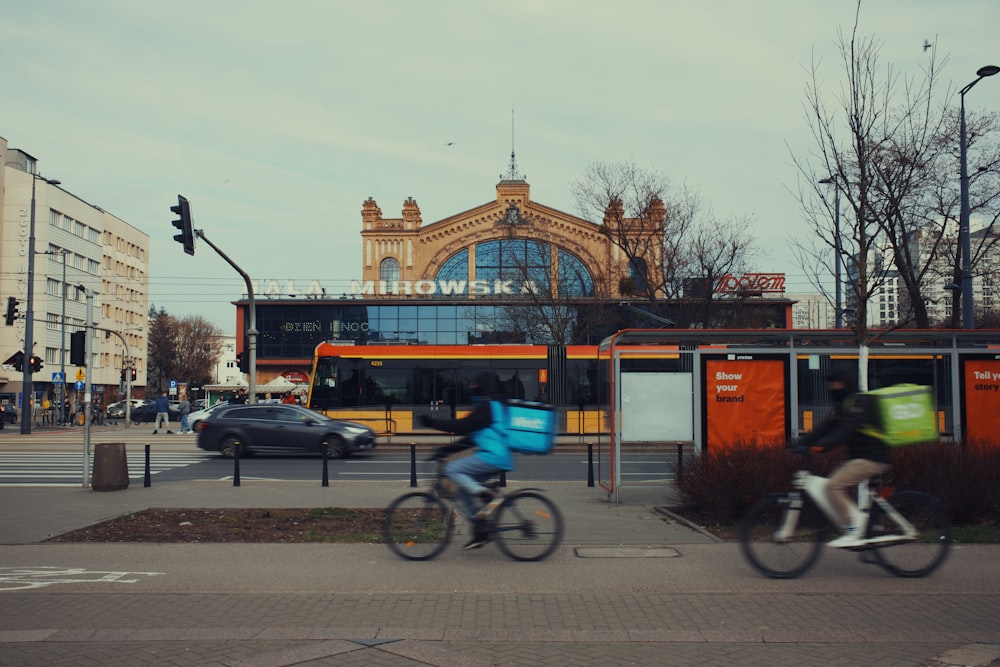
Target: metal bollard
(146,477)
(236,465)
(503,478)
(413,464)
(590,464)
(326,468)
(680,460)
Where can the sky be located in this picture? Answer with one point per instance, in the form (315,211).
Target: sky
(278,119)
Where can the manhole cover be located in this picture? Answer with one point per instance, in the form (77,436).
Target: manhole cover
(626,552)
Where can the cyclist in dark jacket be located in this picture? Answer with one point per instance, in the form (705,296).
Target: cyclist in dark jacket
(867,454)
(490,458)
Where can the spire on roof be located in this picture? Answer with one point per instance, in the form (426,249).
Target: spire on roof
(512,174)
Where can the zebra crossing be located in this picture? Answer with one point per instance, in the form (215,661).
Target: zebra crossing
(66,469)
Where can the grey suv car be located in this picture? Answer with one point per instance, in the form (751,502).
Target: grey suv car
(277,427)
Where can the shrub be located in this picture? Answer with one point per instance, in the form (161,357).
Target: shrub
(719,486)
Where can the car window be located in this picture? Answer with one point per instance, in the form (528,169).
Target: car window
(289,415)
(241,413)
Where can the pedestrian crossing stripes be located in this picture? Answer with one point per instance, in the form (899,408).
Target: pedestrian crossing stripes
(58,467)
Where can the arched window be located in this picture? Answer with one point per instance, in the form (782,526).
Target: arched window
(389,269)
(455,267)
(574,278)
(517,260)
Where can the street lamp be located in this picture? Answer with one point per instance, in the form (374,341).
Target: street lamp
(27,390)
(62,336)
(963,223)
(838,307)
(126,372)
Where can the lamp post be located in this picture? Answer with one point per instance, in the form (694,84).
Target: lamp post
(838,305)
(27,390)
(127,373)
(968,315)
(62,336)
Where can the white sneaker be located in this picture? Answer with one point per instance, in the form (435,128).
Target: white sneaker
(850,538)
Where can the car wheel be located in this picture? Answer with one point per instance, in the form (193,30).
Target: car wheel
(334,447)
(229,445)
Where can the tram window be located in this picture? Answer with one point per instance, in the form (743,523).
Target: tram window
(384,386)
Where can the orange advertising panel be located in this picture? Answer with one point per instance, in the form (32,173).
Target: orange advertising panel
(982,399)
(744,401)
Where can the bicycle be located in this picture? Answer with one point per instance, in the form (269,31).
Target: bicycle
(907,533)
(418,525)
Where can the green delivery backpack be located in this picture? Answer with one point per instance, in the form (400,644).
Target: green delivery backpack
(907,415)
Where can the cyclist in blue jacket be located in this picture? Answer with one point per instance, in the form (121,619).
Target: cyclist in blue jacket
(490,458)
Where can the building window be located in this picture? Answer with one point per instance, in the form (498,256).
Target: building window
(389,270)
(455,267)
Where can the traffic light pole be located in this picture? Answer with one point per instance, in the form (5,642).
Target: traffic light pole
(27,388)
(91,330)
(252,331)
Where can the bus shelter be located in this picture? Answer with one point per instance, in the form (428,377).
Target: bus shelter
(705,390)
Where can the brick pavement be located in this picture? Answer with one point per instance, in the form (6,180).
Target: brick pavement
(494,629)
(692,610)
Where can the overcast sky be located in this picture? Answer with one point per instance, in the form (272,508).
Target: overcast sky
(278,119)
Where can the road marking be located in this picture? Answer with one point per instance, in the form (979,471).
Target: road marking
(20,578)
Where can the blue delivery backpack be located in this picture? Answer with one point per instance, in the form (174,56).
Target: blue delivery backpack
(528,427)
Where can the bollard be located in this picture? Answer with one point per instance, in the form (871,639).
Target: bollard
(326,467)
(590,464)
(236,465)
(147,479)
(413,464)
(110,467)
(503,478)
(680,460)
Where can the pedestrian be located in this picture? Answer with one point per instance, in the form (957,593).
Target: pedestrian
(184,407)
(67,414)
(240,397)
(162,413)
(288,399)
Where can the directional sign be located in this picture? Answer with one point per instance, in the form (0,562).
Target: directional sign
(78,384)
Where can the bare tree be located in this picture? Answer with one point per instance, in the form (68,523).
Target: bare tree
(885,150)
(673,247)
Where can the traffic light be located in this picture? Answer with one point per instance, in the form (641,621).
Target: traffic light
(11,310)
(123,375)
(186,237)
(34,363)
(134,374)
(78,348)
(243,362)
(17,361)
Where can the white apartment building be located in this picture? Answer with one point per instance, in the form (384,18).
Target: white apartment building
(77,245)
(890,305)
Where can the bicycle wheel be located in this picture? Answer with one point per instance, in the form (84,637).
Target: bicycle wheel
(914,557)
(790,552)
(527,526)
(417,525)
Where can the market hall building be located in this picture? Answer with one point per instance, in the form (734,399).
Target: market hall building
(511,271)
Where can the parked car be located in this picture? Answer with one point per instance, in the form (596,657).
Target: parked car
(276,427)
(8,414)
(117,410)
(197,415)
(147,413)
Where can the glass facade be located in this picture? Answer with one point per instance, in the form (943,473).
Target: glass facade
(521,260)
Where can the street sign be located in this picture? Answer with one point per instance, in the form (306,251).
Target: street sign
(81,375)
(58,378)
(78,384)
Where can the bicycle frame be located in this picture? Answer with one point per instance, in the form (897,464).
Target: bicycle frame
(815,487)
